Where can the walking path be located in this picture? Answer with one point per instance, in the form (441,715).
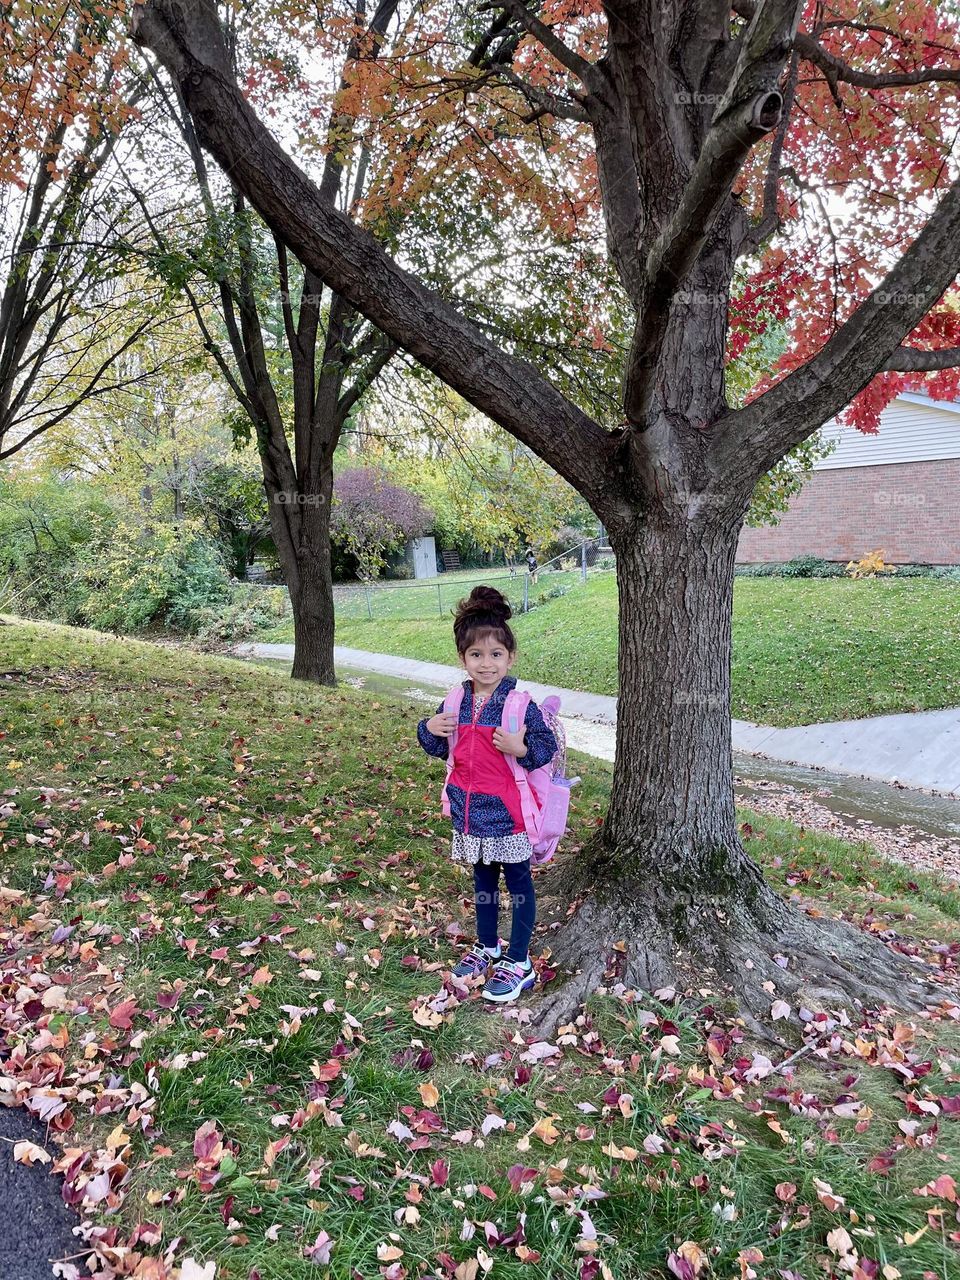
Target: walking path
(917,749)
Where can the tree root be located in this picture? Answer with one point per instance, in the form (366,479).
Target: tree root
(727,950)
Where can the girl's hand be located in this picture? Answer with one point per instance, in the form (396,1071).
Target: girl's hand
(442,724)
(511,744)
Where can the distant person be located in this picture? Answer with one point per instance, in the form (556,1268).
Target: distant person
(532,565)
(481,794)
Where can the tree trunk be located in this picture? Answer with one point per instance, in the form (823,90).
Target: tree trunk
(313,624)
(300,523)
(667,876)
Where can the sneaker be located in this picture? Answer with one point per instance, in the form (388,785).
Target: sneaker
(508,980)
(476,961)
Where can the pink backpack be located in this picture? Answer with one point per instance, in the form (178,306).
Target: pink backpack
(544,792)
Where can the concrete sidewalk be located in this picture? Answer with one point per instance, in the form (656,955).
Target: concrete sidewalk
(917,749)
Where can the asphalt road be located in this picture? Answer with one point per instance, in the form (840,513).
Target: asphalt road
(35,1224)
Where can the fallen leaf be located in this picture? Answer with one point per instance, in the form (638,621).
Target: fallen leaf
(192,1270)
(546,1130)
(122,1016)
(429,1093)
(839,1242)
(29,1153)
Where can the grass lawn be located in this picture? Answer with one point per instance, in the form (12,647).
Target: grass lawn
(804,650)
(226,916)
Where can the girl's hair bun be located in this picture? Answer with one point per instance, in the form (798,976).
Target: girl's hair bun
(485,610)
(485,600)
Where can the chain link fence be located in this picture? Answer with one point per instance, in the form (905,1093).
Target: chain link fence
(438,597)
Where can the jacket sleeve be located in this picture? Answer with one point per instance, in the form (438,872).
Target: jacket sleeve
(431,744)
(540,740)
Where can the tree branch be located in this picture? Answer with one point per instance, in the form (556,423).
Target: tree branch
(835,69)
(750,108)
(366,376)
(545,102)
(769,221)
(913,360)
(585,71)
(746,443)
(188,39)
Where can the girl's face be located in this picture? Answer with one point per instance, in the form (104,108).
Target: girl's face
(487,661)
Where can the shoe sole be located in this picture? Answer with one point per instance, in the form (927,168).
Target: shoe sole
(509,996)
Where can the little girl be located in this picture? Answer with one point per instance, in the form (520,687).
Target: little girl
(488,827)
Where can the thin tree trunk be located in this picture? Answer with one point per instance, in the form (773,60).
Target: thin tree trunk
(312,602)
(300,524)
(313,628)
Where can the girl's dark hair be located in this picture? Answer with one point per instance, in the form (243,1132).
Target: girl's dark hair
(485,611)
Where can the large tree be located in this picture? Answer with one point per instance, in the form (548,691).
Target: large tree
(297,355)
(294,354)
(708,128)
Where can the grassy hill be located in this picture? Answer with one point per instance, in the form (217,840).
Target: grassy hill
(804,650)
(227,919)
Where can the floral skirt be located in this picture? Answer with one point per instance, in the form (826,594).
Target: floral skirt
(471,849)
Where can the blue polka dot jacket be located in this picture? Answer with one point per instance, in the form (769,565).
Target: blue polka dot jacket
(483,793)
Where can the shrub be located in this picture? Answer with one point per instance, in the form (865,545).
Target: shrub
(757,571)
(566,538)
(44,525)
(138,575)
(870,566)
(248,610)
(803,567)
(371,517)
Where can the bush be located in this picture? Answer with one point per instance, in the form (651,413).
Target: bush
(804,567)
(757,571)
(543,596)
(799,567)
(136,576)
(248,611)
(44,524)
(566,539)
(870,566)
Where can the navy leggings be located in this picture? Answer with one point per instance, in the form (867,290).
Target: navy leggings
(486,883)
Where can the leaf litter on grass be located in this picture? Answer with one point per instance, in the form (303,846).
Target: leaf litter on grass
(226,989)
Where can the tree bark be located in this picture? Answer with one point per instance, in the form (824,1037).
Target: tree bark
(313,618)
(672,804)
(300,522)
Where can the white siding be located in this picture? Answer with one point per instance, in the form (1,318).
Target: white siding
(913,428)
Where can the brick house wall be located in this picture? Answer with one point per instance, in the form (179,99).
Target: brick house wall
(896,491)
(909,510)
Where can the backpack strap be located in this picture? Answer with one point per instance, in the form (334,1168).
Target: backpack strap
(514,714)
(452,702)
